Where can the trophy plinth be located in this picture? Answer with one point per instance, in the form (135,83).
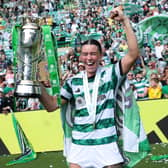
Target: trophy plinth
(28,88)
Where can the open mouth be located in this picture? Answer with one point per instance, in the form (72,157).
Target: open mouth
(90,63)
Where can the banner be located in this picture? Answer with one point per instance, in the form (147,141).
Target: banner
(132,9)
(154,28)
(52,59)
(28,154)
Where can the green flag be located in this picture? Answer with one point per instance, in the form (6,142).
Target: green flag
(155,28)
(28,153)
(131,9)
(133,141)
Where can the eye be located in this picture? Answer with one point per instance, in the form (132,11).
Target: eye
(84,54)
(93,53)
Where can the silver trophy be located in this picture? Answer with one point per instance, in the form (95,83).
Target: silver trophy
(28,57)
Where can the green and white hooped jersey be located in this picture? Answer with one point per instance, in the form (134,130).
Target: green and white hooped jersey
(140,86)
(102,131)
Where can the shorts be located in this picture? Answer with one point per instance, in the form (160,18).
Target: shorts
(95,156)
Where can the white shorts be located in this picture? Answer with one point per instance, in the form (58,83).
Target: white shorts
(95,156)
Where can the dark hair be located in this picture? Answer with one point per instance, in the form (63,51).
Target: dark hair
(93,42)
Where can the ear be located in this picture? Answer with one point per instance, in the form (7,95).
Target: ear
(100,57)
(101,54)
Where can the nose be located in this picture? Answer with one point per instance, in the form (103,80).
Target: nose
(89,56)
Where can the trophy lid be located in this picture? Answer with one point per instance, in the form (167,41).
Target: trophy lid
(30,26)
(29,23)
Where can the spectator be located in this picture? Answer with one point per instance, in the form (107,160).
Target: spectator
(165,89)
(141,86)
(9,85)
(156,75)
(66,75)
(4,62)
(2,100)
(9,76)
(9,99)
(131,77)
(165,53)
(123,47)
(21,104)
(158,50)
(2,81)
(2,71)
(81,66)
(164,76)
(154,90)
(151,68)
(33,104)
(148,54)
(145,9)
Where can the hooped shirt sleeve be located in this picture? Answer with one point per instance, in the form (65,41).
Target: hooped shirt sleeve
(66,90)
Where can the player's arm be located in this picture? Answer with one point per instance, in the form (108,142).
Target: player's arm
(133,52)
(50,102)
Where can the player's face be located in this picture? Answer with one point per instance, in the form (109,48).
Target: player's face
(90,56)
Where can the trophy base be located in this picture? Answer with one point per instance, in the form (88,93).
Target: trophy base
(28,88)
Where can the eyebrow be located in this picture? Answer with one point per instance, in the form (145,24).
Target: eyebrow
(89,53)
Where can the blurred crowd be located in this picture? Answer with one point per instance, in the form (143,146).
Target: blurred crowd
(71,25)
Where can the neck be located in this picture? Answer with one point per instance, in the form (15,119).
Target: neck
(90,75)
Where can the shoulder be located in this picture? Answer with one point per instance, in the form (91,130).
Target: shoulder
(109,67)
(74,78)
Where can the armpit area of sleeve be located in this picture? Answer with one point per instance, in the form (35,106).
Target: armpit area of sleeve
(120,68)
(64,97)
(65,94)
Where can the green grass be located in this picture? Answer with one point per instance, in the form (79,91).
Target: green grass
(44,160)
(56,159)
